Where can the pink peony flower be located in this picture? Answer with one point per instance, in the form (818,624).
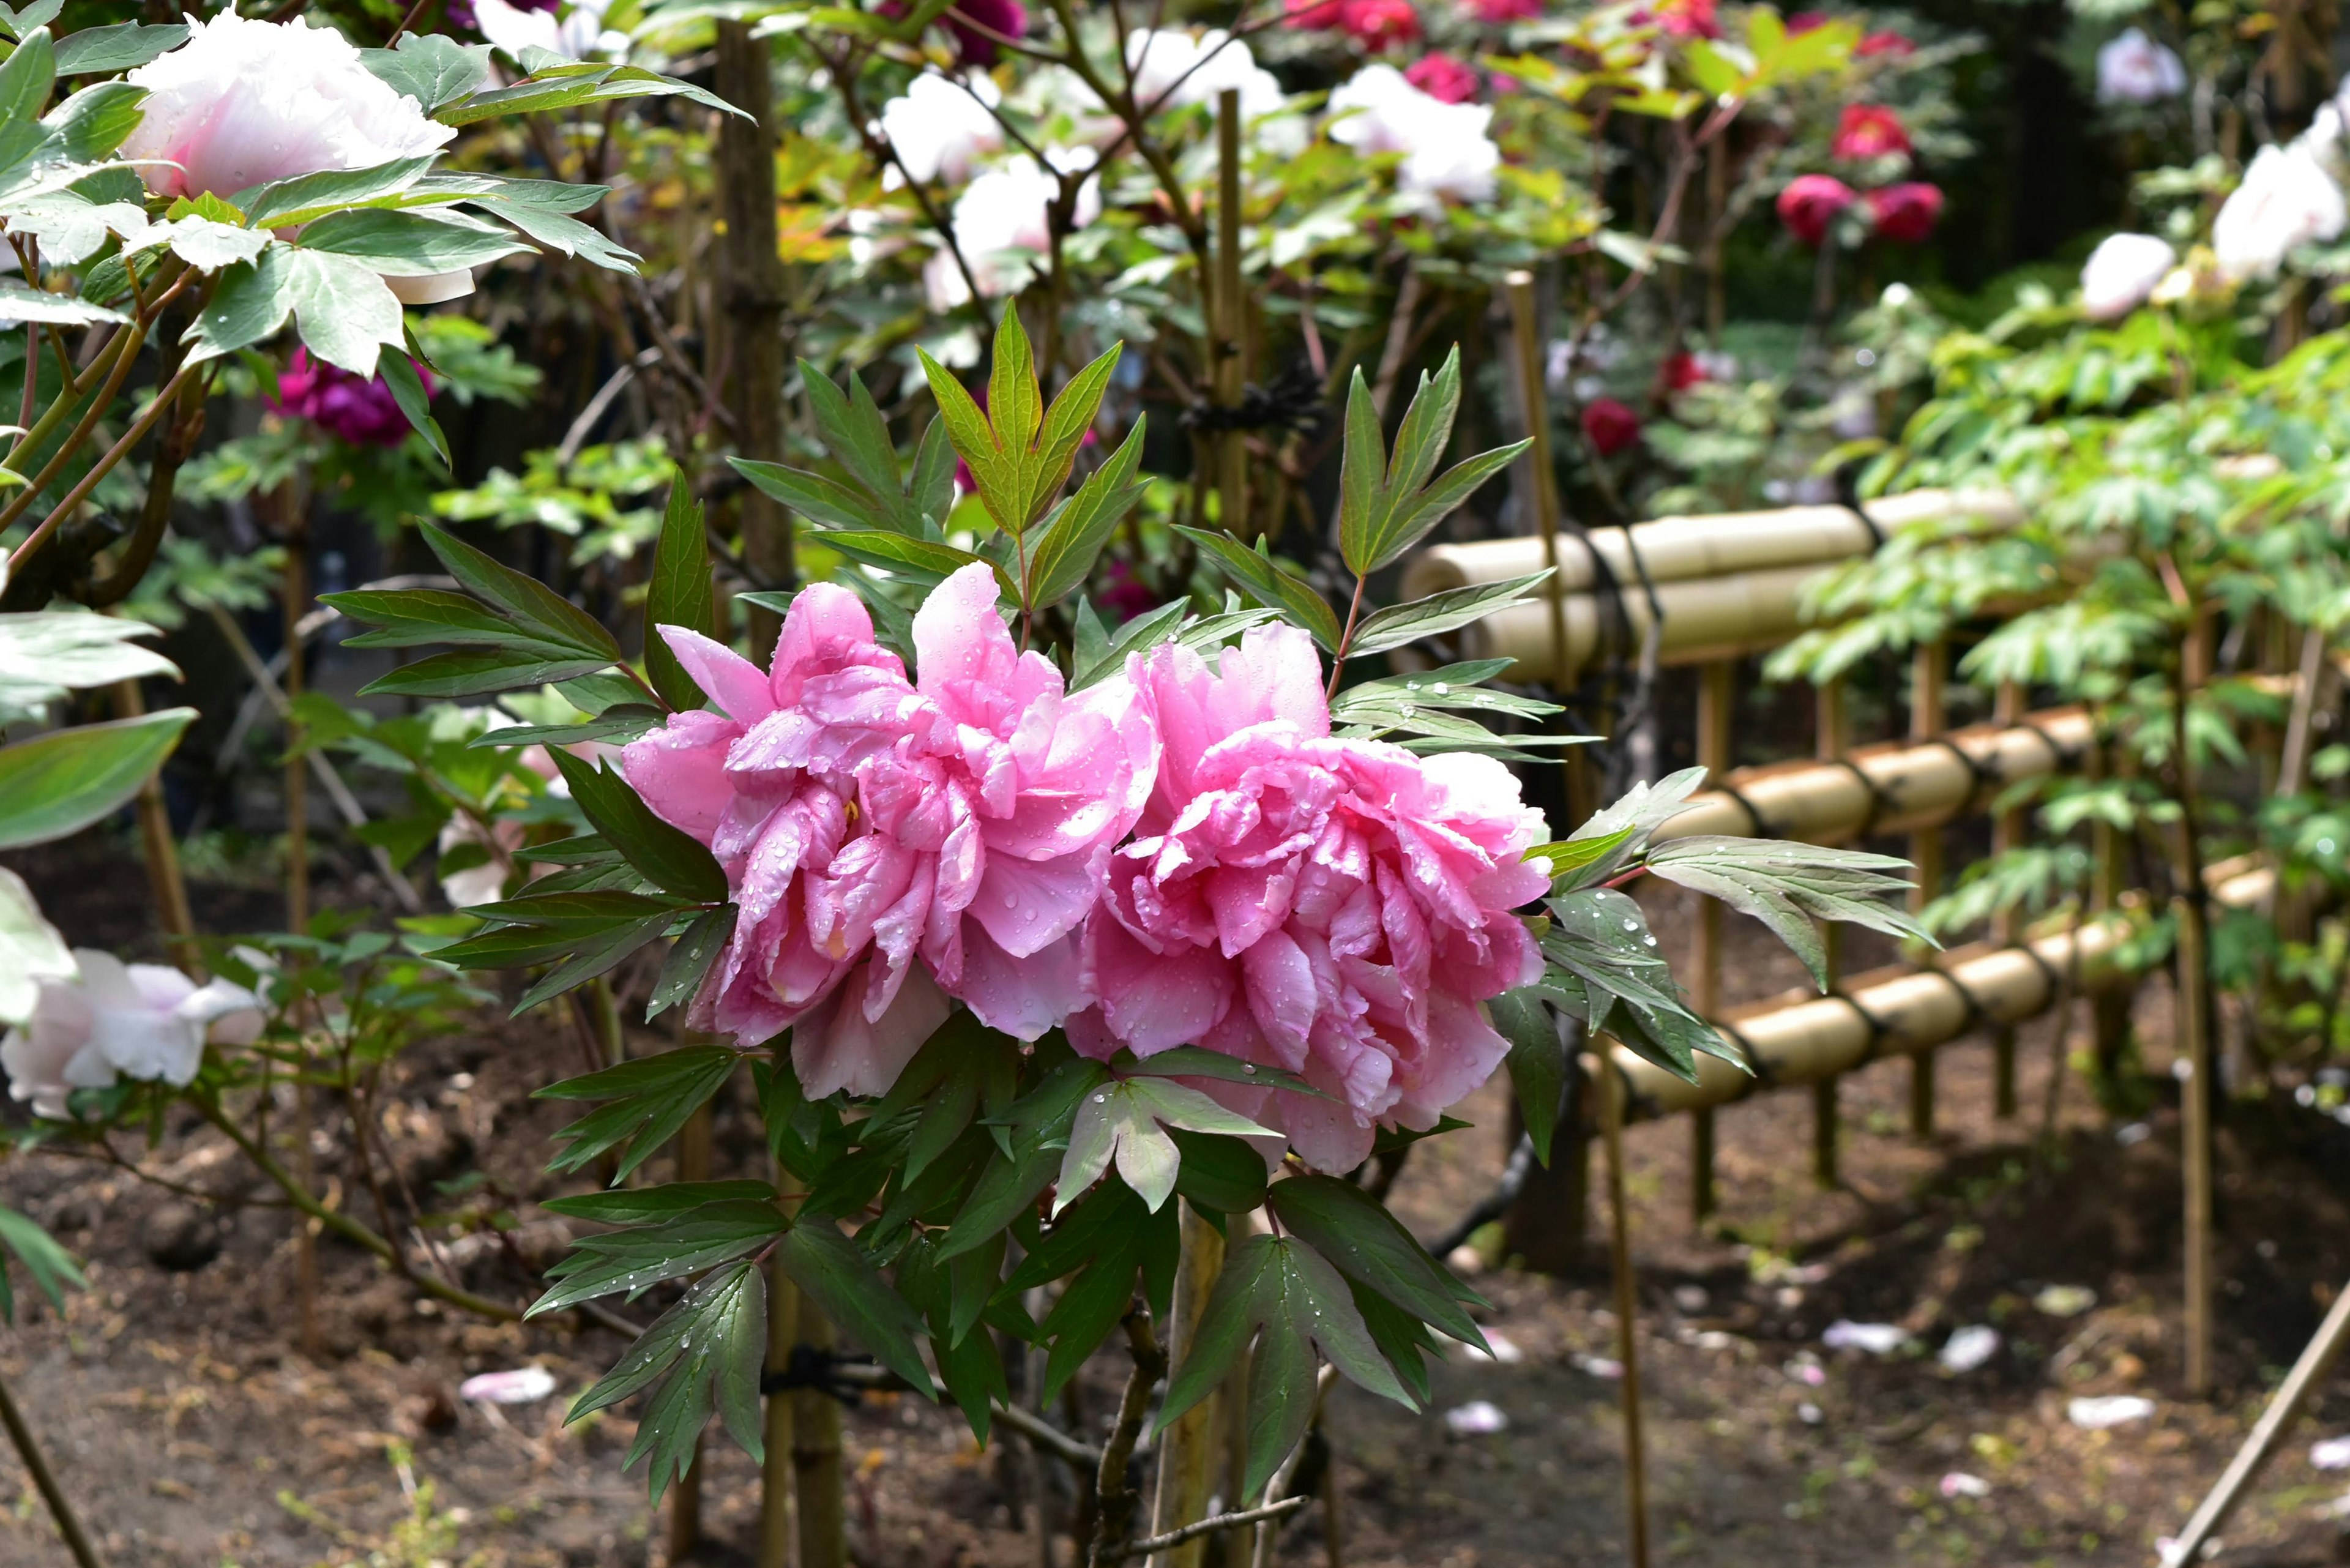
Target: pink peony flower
(1868,130)
(1336,909)
(889,844)
(1896,46)
(1374,24)
(359,409)
(1501,13)
(1008,17)
(1905,213)
(1684,18)
(1612,426)
(1802,22)
(1811,203)
(1444,78)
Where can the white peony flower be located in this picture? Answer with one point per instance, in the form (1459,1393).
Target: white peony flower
(942,132)
(579,34)
(142,1019)
(2122,273)
(1446,151)
(1003,226)
(2287,199)
(243,102)
(2133,68)
(1176,69)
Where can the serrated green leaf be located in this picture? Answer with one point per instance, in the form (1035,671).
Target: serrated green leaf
(850,1291)
(670,857)
(1392,628)
(1270,584)
(649,1099)
(1787,885)
(1536,1063)
(680,593)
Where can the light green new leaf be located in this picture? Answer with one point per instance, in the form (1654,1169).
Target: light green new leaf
(62,781)
(1785,885)
(1388,505)
(121,46)
(410,243)
(430,68)
(1124,1121)
(346,312)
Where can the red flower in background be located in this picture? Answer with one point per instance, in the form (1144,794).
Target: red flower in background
(1501,13)
(1611,426)
(1683,19)
(1897,45)
(1680,371)
(1804,22)
(1444,78)
(1374,24)
(1009,17)
(1868,130)
(1811,203)
(359,409)
(1905,213)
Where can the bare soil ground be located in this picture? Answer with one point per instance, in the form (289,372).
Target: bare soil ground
(183,1414)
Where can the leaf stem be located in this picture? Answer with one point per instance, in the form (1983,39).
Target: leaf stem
(1346,640)
(29,1451)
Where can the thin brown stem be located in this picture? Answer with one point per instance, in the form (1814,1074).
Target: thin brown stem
(29,1451)
(1114,1498)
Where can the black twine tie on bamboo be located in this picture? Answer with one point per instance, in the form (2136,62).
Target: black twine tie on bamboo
(1764,1077)
(1291,400)
(1879,1029)
(2048,971)
(1980,776)
(1977,1016)
(820,1370)
(1762,826)
(1878,803)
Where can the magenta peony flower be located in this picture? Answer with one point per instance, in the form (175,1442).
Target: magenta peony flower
(1337,909)
(1444,78)
(1811,203)
(1905,213)
(1896,45)
(889,844)
(1501,13)
(359,409)
(1868,130)
(1008,17)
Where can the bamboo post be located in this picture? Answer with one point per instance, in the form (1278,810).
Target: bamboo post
(1229,322)
(1525,336)
(1188,1449)
(294,603)
(2006,834)
(1716,694)
(2108,1011)
(685,1498)
(2318,1359)
(783,1332)
(751,275)
(816,1456)
(1628,1308)
(2193,977)
(165,879)
(1928,715)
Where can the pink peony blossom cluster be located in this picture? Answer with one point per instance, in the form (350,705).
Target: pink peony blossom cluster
(1334,908)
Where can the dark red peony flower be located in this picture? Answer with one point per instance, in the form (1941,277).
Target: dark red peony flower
(1905,213)
(1811,203)
(1897,45)
(1501,13)
(359,409)
(1680,371)
(1804,22)
(1009,17)
(1868,130)
(1611,426)
(1444,78)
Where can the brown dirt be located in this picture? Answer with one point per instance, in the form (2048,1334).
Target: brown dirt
(182,1414)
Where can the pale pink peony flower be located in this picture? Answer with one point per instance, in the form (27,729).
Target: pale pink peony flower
(243,102)
(891,844)
(1337,909)
(145,1021)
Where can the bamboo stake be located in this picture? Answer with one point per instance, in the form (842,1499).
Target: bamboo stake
(1534,398)
(1715,696)
(776,1466)
(1186,1450)
(293,602)
(1832,739)
(816,1456)
(751,277)
(36,1464)
(165,879)
(2006,834)
(685,1497)
(2193,980)
(2318,1359)
(1628,1307)
(1928,712)
(1229,326)
(2108,1010)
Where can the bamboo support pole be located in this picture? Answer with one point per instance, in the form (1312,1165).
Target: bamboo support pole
(1716,695)
(1229,323)
(1929,715)
(165,879)
(2006,834)
(1525,328)
(1906,1011)
(1612,1107)
(752,284)
(1187,1451)
(1725,584)
(1832,738)
(2193,980)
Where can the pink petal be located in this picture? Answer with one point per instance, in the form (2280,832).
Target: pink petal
(680,769)
(726,676)
(1153,1001)
(1027,905)
(837,1047)
(1024,996)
